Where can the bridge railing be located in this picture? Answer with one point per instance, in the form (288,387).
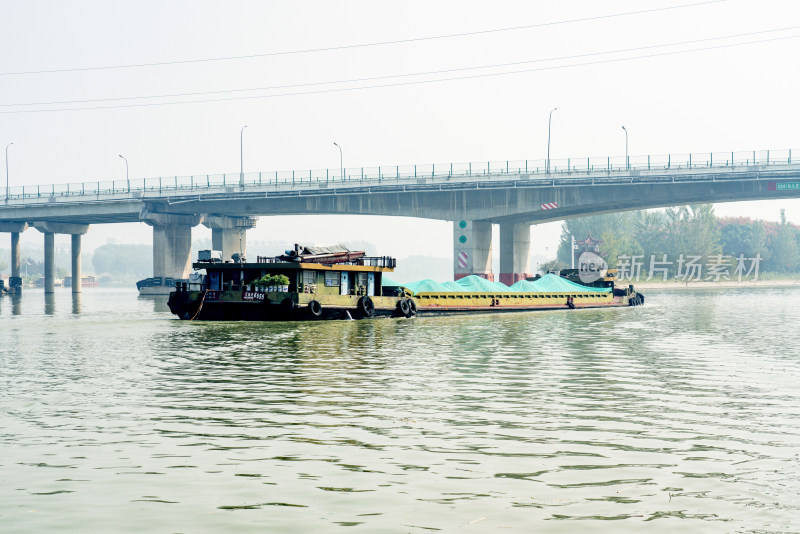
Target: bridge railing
(166,185)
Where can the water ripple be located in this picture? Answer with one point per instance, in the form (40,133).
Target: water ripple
(683,413)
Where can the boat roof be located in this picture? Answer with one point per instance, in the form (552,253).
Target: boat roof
(306,257)
(387,266)
(315,250)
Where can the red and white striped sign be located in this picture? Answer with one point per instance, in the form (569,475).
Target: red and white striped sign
(462,260)
(549,205)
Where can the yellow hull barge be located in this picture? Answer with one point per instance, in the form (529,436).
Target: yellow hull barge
(334,283)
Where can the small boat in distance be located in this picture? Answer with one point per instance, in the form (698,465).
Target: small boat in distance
(335,283)
(158,285)
(86,281)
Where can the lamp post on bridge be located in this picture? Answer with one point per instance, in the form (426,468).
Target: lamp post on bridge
(549,122)
(8,145)
(627,161)
(241,156)
(341,160)
(127,177)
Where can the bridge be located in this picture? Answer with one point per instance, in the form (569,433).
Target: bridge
(474,196)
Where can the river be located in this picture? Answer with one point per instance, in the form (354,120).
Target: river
(681,414)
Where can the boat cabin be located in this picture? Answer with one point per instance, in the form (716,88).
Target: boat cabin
(320,270)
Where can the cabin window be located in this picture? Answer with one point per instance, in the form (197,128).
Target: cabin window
(361,283)
(309,278)
(331,279)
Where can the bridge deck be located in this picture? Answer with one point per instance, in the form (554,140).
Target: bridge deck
(122,201)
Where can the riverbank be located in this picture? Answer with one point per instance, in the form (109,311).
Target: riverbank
(678,284)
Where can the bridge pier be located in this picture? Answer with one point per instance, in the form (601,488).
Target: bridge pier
(172,243)
(15,257)
(14,228)
(472,249)
(77,283)
(49,229)
(515,252)
(229,234)
(172,248)
(49,262)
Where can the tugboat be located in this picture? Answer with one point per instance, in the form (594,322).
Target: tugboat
(309,283)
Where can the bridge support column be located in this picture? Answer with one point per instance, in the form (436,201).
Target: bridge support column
(49,262)
(49,229)
(76,264)
(14,228)
(172,248)
(15,259)
(472,249)
(515,251)
(229,234)
(172,243)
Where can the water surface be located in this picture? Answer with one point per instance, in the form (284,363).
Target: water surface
(682,414)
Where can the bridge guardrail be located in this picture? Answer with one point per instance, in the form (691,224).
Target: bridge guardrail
(382,174)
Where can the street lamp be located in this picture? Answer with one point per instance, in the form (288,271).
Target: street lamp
(8,145)
(627,161)
(127,177)
(549,122)
(341,160)
(241,156)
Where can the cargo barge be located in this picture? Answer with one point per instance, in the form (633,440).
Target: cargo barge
(310,283)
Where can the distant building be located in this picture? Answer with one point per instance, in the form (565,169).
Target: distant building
(57,282)
(590,244)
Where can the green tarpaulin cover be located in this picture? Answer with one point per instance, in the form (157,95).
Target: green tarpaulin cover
(549,283)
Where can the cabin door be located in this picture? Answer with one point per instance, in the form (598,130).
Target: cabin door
(371,284)
(214,281)
(345,283)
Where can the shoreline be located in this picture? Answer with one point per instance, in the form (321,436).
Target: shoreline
(727,284)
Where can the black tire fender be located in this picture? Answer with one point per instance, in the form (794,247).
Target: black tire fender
(412,308)
(366,306)
(315,308)
(402,307)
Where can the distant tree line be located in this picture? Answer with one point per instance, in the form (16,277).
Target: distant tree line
(32,264)
(123,262)
(676,234)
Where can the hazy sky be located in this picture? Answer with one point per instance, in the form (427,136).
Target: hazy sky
(730,96)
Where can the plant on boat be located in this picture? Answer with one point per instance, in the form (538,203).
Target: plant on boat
(277,282)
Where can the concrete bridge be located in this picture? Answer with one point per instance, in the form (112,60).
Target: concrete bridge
(474,196)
